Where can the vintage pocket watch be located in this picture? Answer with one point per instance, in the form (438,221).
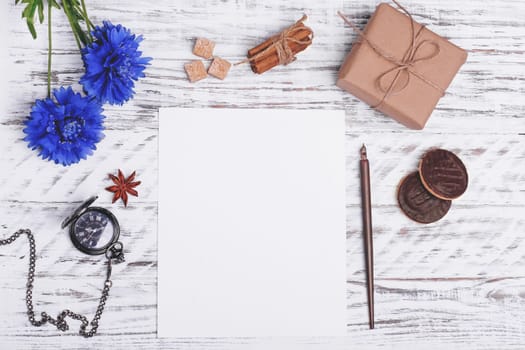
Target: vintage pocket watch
(94,231)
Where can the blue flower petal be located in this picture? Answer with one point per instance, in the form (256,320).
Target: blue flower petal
(113,62)
(67,130)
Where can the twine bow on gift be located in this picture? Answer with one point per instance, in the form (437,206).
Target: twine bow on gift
(405,66)
(280,43)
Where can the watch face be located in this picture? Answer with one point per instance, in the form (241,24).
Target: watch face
(94,230)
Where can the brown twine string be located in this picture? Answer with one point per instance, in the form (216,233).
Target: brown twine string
(406,64)
(280,43)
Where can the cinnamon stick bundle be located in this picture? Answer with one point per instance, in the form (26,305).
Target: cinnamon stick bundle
(280,48)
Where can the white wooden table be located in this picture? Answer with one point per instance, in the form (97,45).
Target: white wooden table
(458,283)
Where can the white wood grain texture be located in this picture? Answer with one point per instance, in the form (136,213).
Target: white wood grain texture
(457,283)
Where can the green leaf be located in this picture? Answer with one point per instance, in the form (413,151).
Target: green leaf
(73,9)
(41,11)
(29,13)
(76,15)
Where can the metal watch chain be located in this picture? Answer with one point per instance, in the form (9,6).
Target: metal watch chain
(60,320)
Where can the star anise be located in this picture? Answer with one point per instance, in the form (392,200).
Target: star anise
(122,187)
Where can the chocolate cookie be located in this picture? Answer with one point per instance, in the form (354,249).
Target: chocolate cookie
(443,174)
(419,204)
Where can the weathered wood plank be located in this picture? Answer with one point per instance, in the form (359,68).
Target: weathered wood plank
(490,160)
(489,86)
(456,283)
(420,269)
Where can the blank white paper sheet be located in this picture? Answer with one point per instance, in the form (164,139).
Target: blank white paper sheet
(252,231)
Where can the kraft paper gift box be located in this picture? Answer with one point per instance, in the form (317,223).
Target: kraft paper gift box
(399,67)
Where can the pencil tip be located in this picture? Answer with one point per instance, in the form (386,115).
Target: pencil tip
(363,152)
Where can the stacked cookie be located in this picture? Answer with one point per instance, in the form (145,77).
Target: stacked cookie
(426,195)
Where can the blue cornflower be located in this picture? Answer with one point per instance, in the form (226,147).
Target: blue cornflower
(67,130)
(112,63)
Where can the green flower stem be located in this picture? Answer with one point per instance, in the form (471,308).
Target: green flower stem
(70,19)
(49,48)
(89,25)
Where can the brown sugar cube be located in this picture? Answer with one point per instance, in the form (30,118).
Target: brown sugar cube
(204,48)
(219,68)
(195,70)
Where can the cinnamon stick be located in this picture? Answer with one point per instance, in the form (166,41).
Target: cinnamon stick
(281,48)
(271,58)
(265,45)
